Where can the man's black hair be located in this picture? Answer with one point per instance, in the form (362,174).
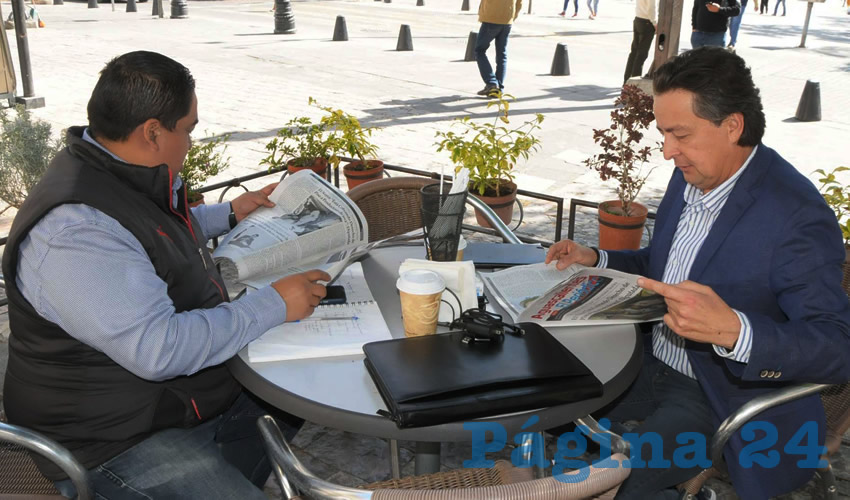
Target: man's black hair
(136,87)
(722,84)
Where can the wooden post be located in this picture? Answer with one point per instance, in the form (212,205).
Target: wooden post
(667,32)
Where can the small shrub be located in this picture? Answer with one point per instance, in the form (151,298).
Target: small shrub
(26,149)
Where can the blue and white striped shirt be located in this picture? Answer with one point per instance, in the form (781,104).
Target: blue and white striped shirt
(84,271)
(699,214)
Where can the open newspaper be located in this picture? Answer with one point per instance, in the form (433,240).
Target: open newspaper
(313,225)
(578,295)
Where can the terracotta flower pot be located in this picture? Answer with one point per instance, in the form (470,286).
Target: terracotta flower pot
(618,232)
(320,166)
(503,206)
(356,175)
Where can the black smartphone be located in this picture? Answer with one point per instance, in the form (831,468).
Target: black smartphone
(336,295)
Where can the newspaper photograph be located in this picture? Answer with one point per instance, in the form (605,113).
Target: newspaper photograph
(312,225)
(578,295)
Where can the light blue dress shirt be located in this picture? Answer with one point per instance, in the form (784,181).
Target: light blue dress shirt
(699,214)
(81,269)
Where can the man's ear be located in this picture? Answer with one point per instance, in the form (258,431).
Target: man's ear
(734,124)
(150,132)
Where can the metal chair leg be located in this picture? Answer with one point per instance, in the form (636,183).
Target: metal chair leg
(395,459)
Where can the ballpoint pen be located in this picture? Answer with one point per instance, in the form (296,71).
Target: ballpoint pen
(334,318)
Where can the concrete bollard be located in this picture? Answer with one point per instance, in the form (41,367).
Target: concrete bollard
(808,110)
(156,10)
(465,6)
(405,41)
(179,9)
(284,20)
(93,4)
(131,6)
(470,46)
(340,30)
(561,61)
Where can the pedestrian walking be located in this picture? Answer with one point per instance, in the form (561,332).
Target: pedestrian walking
(776,7)
(496,18)
(735,25)
(643,31)
(567,5)
(763,7)
(709,22)
(591,6)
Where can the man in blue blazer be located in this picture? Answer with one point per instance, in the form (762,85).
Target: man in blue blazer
(748,256)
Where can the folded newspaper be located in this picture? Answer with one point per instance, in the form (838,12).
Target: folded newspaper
(578,295)
(313,225)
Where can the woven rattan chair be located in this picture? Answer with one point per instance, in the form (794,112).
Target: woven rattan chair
(391,207)
(19,477)
(502,482)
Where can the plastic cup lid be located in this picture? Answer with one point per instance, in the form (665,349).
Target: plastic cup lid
(420,282)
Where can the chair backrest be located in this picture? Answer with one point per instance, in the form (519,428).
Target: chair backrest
(390,205)
(20,478)
(599,483)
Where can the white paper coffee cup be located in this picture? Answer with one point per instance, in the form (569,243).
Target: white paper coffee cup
(420,293)
(461,246)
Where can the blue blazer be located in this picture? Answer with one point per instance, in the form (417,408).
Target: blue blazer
(775,253)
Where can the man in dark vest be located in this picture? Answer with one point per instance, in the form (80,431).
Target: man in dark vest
(120,321)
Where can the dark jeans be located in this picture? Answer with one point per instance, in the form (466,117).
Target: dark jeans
(643,33)
(702,39)
(668,403)
(222,458)
(763,7)
(735,23)
(486,34)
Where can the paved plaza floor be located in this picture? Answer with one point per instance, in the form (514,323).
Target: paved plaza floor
(251,81)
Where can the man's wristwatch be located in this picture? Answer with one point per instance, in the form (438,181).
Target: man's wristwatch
(596,251)
(231,218)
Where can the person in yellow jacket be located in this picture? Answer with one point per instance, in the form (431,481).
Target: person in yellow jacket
(496,18)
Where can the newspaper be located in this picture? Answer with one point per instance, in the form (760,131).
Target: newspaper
(578,295)
(313,225)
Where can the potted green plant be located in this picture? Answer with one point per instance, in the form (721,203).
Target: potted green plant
(300,145)
(621,221)
(837,196)
(26,149)
(204,160)
(489,151)
(352,139)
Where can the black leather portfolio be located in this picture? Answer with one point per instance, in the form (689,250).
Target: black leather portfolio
(435,379)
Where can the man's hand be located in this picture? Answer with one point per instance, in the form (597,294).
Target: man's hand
(713,7)
(568,252)
(301,292)
(246,203)
(695,312)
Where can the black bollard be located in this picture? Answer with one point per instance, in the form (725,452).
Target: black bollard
(808,110)
(179,9)
(58,2)
(93,4)
(420,3)
(465,5)
(340,30)
(561,62)
(388,1)
(131,6)
(470,46)
(405,41)
(157,8)
(284,21)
